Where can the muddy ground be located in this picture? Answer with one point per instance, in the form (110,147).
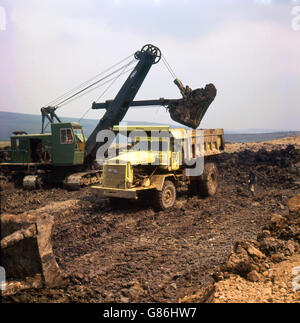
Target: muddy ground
(130,253)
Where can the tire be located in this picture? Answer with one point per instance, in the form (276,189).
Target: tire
(166,198)
(208,183)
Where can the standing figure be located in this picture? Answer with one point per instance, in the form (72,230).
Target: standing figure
(252,181)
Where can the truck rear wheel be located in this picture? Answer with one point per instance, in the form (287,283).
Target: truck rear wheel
(165,198)
(208,183)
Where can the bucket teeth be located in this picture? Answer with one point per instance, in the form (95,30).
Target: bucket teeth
(26,252)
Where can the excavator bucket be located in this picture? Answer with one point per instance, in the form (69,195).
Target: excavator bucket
(26,253)
(190,110)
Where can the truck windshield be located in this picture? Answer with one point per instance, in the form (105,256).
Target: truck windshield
(78,134)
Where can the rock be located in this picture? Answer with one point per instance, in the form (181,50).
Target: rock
(294,204)
(79,276)
(239,248)
(283,285)
(262,268)
(253,252)
(290,248)
(277,257)
(263,234)
(271,246)
(254,267)
(277,220)
(238,264)
(124,299)
(282,207)
(204,295)
(218,276)
(173,285)
(253,276)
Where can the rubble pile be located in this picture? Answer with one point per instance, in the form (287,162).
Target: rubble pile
(280,166)
(290,156)
(259,270)
(263,262)
(252,259)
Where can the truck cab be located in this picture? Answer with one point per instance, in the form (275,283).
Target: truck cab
(148,145)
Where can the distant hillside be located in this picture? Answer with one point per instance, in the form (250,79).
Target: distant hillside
(259,137)
(31,123)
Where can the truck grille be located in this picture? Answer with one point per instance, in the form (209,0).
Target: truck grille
(114,176)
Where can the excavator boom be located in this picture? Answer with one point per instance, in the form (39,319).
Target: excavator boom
(118,108)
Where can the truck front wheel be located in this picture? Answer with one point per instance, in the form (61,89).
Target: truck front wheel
(165,198)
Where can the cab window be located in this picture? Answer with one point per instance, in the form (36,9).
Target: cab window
(79,136)
(66,136)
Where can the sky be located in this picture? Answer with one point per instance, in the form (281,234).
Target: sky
(249,49)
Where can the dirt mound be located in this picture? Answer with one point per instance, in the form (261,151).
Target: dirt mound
(278,289)
(260,270)
(276,144)
(278,240)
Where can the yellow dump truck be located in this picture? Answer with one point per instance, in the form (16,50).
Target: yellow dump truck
(160,161)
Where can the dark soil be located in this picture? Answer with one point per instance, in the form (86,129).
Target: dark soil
(130,253)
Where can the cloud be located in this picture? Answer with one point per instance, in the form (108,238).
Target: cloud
(249,51)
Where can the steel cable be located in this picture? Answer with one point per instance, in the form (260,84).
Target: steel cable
(169,68)
(86,82)
(90,86)
(109,86)
(95,88)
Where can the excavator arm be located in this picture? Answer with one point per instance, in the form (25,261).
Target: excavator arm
(189,110)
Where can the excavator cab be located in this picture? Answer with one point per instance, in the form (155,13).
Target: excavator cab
(68,144)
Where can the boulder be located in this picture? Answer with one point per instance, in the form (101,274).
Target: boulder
(238,264)
(277,220)
(254,252)
(253,276)
(294,204)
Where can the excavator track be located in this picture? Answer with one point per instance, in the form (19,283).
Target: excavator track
(77,180)
(31,182)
